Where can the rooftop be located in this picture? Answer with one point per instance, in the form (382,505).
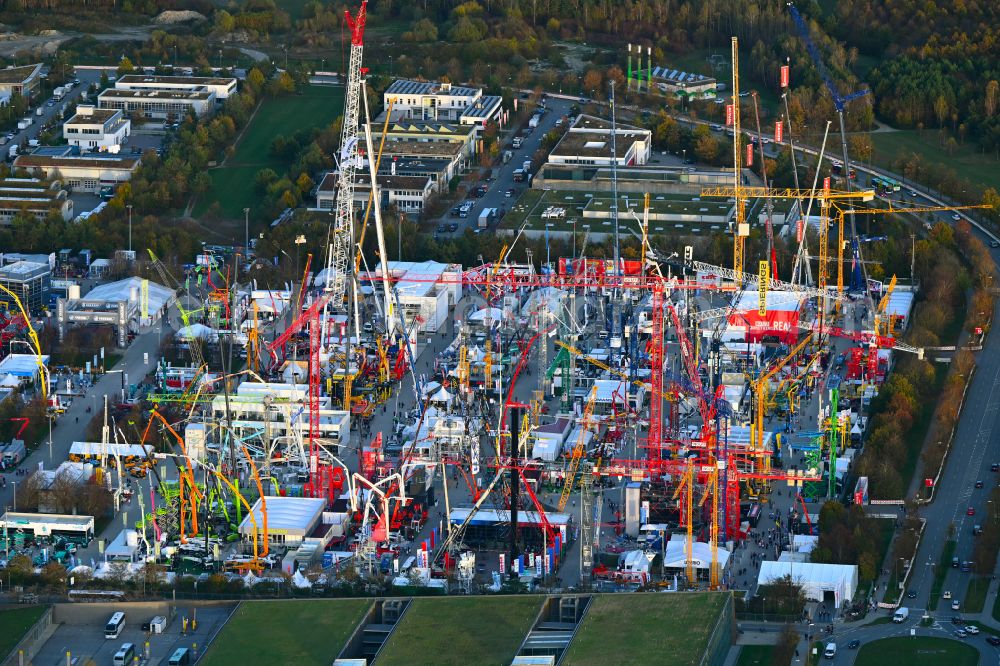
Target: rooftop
(19,74)
(193,95)
(144,79)
(23,269)
(93,116)
(597,144)
(394,182)
(679,77)
(102,160)
(484,107)
(405,126)
(286,513)
(422,148)
(407,87)
(123,290)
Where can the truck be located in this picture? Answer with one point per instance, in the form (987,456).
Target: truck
(58,93)
(533,122)
(23,124)
(507,156)
(12,152)
(13,453)
(33,143)
(900,615)
(516,142)
(518,175)
(486,216)
(526,166)
(831,650)
(39,111)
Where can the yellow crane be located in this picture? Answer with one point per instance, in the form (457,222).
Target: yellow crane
(882,305)
(463,369)
(741,229)
(712,488)
(686,485)
(617,373)
(842,212)
(578,450)
(759,390)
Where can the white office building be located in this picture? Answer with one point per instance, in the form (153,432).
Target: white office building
(221,86)
(432,100)
(97,130)
(158,104)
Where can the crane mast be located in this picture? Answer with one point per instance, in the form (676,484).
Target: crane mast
(350,164)
(740,228)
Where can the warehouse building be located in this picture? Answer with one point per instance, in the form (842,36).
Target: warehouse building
(79,529)
(158,104)
(221,86)
(97,130)
(34,197)
(426,290)
(22,81)
(588,142)
(29,280)
(81,173)
(684,85)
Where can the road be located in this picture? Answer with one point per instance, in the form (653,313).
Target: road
(494,197)
(21,137)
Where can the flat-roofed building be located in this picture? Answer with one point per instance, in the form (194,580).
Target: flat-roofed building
(22,81)
(222,86)
(29,280)
(98,130)
(684,85)
(32,196)
(433,100)
(82,173)
(588,142)
(158,104)
(407,193)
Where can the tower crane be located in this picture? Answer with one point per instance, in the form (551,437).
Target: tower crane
(578,450)
(741,229)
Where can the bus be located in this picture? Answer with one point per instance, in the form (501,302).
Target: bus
(885,185)
(114,627)
(124,655)
(180,657)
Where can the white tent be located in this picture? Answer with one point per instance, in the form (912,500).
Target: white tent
(196,331)
(816,579)
(675,554)
(495,314)
(10,381)
(442,396)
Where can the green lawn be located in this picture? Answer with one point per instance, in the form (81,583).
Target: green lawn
(975,595)
(14,623)
(646,629)
(233,184)
(967,162)
(484,630)
(917,651)
(940,572)
(755,655)
(286,632)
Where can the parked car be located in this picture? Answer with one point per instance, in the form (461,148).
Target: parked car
(979,484)
(946,595)
(956,604)
(961,633)
(972,629)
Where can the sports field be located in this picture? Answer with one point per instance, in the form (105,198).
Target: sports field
(286,632)
(646,629)
(233,183)
(473,630)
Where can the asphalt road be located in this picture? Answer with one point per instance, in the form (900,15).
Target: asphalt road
(494,197)
(21,137)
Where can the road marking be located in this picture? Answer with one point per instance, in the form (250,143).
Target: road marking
(982,440)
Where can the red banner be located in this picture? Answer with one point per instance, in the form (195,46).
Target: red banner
(826,183)
(798,230)
(749,154)
(781,324)
(779,133)
(729,114)
(784,76)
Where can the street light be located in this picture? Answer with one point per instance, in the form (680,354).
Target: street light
(129,230)
(246,230)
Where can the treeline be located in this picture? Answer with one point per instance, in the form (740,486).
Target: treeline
(848,536)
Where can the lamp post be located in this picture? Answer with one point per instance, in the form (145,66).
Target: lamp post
(129,230)
(246,231)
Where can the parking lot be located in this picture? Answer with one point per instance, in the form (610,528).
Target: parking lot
(86,641)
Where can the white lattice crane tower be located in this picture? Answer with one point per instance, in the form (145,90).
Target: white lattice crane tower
(350,163)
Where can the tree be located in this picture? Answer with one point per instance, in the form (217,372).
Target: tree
(785,648)
(54,575)
(256,80)
(224,22)
(992,98)
(423,30)
(125,66)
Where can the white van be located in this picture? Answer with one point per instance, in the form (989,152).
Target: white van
(831,650)
(900,615)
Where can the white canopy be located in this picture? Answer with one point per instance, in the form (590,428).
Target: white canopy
(442,396)
(495,314)
(815,579)
(196,332)
(10,381)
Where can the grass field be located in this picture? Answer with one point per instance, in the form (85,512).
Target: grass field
(967,162)
(947,553)
(975,595)
(917,651)
(232,184)
(645,629)
(755,655)
(14,623)
(297,632)
(484,630)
